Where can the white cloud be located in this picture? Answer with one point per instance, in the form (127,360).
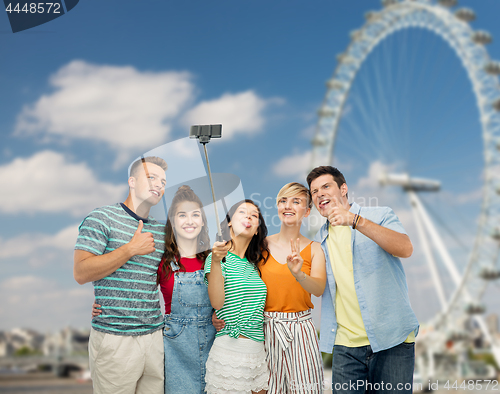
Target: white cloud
(119,105)
(41,304)
(296,165)
(129,109)
(47,182)
(238,113)
(31,244)
(372,179)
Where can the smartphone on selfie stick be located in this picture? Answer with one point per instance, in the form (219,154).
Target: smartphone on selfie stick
(204,133)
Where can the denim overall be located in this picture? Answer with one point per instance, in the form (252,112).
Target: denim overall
(188,334)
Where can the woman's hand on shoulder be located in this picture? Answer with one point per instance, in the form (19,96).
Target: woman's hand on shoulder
(219,251)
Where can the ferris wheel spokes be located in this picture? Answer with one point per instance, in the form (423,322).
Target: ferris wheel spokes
(473,308)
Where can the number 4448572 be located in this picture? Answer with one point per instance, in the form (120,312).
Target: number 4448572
(34,8)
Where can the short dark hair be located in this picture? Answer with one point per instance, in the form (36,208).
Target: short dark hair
(149,159)
(338,177)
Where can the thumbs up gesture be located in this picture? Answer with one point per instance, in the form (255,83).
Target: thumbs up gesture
(339,216)
(141,243)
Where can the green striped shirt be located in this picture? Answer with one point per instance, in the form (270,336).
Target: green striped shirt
(129,296)
(245,297)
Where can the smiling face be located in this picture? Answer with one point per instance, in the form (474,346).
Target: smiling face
(324,190)
(188,220)
(148,183)
(293,209)
(245,221)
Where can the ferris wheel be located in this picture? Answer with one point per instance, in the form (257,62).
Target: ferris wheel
(459,287)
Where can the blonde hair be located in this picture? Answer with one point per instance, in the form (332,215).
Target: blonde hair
(149,159)
(292,189)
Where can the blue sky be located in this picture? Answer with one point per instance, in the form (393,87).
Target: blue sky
(85,94)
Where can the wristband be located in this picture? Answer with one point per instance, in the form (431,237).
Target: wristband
(300,280)
(354,221)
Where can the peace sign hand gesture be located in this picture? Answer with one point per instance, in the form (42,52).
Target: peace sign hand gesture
(294,260)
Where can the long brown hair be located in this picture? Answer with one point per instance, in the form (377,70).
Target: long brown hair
(183,194)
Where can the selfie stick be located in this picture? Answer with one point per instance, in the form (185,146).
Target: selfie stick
(203,133)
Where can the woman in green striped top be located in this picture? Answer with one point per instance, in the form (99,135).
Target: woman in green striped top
(237,360)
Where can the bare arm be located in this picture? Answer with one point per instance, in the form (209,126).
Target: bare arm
(391,241)
(89,267)
(314,283)
(215,278)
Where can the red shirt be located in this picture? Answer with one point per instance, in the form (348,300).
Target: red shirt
(167,285)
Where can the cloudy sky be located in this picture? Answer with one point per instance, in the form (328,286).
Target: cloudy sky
(85,94)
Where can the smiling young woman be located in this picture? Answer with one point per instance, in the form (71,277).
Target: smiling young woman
(188,333)
(295,270)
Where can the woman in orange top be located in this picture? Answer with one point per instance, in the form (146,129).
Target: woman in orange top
(295,270)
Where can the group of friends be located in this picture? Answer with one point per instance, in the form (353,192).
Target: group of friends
(238,312)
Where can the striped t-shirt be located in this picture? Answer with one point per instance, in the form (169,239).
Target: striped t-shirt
(129,296)
(245,297)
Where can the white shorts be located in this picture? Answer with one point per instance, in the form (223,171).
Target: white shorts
(122,364)
(236,365)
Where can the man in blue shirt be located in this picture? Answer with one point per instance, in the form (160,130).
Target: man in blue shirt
(365,313)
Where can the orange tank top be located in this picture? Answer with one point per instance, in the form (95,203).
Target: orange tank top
(284,293)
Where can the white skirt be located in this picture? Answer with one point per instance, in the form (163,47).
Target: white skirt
(236,366)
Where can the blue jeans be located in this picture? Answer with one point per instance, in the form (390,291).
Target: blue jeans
(188,334)
(359,370)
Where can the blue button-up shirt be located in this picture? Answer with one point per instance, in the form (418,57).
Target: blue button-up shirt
(380,283)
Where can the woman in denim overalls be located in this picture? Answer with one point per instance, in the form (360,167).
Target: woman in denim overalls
(188,332)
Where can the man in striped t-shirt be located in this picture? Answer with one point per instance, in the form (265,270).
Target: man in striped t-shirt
(119,249)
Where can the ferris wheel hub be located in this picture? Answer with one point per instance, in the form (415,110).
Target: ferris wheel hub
(408,183)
